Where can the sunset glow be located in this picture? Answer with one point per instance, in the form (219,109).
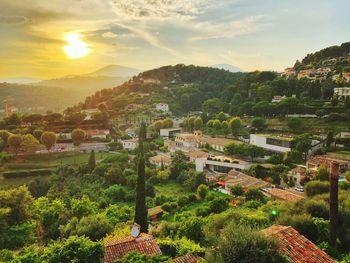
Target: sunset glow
(76,48)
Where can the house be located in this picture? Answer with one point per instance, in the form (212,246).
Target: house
(186,140)
(64,136)
(295,246)
(131,133)
(217,144)
(277,99)
(283,195)
(103,134)
(134,106)
(160,159)
(313,163)
(272,143)
(150,81)
(155,213)
(162,107)
(289,72)
(306,73)
(119,247)
(193,155)
(169,133)
(298,175)
(221,164)
(90,112)
(129,144)
(342,92)
(344,134)
(238,178)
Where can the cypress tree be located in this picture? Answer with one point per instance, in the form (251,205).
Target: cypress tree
(92,161)
(140,206)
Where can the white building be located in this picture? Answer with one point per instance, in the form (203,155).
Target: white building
(186,140)
(342,92)
(221,164)
(162,107)
(130,144)
(169,133)
(272,143)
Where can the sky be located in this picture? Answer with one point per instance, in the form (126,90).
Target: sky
(145,34)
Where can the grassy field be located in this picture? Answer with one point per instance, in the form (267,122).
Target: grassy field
(37,161)
(170,189)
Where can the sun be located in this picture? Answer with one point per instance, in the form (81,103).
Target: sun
(76,48)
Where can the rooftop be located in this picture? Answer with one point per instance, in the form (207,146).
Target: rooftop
(244,180)
(297,247)
(324,159)
(160,158)
(119,247)
(284,195)
(228,159)
(184,259)
(197,154)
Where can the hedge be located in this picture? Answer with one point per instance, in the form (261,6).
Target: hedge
(26,173)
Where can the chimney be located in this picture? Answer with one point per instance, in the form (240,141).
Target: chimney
(333,203)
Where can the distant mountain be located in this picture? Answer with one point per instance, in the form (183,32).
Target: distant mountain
(227,67)
(116,71)
(20,80)
(86,84)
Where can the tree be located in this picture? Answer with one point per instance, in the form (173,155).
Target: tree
(15,141)
(237,190)
(295,124)
(74,249)
(48,139)
(29,142)
(158,125)
(316,187)
(202,191)
(198,123)
(221,116)
(192,229)
(225,127)
(322,173)
(78,136)
(83,206)
(140,203)
(217,125)
(37,133)
(259,123)
(14,119)
(190,124)
(4,135)
(330,138)
(235,124)
(212,106)
(76,117)
(240,243)
(254,194)
(92,161)
(303,143)
(114,175)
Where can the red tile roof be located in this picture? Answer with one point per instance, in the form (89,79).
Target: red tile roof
(297,247)
(284,195)
(118,248)
(184,259)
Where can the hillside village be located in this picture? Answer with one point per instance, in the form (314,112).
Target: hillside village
(271,150)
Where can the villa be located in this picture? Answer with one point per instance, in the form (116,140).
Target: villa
(221,164)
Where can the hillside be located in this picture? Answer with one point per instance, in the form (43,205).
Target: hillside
(40,98)
(336,58)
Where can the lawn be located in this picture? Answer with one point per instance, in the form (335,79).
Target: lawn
(48,160)
(171,189)
(14,182)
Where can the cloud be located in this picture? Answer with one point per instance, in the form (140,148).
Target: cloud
(12,19)
(109,35)
(160,9)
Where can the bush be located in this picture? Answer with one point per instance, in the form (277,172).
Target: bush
(26,173)
(316,187)
(218,205)
(202,191)
(179,247)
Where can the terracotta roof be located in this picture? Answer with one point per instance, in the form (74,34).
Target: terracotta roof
(160,158)
(118,248)
(284,195)
(244,180)
(325,159)
(155,211)
(297,247)
(197,154)
(184,259)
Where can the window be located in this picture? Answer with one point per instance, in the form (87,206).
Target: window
(279,142)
